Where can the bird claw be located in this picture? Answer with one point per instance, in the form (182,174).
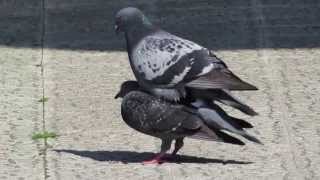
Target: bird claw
(158,159)
(153,161)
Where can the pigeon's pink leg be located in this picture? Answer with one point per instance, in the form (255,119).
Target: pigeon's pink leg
(165,146)
(155,160)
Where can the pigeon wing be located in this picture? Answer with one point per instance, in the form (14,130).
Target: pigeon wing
(221,95)
(210,134)
(220,78)
(166,60)
(173,119)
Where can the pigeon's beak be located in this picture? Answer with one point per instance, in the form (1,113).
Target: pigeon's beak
(117,95)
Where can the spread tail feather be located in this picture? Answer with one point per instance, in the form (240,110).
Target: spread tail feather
(228,99)
(218,112)
(223,137)
(239,123)
(241,107)
(229,139)
(220,95)
(251,138)
(221,79)
(216,119)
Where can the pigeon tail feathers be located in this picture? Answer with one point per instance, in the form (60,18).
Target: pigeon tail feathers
(228,99)
(221,95)
(220,79)
(251,137)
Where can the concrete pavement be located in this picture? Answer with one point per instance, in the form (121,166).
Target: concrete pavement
(20,114)
(82,66)
(95,143)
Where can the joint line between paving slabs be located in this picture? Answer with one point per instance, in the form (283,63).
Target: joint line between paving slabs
(263,43)
(43,29)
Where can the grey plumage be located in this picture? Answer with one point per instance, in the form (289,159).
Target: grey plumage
(165,64)
(156,117)
(207,95)
(214,116)
(215,119)
(221,95)
(170,121)
(179,82)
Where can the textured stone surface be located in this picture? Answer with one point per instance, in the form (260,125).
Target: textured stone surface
(266,42)
(20,114)
(93,136)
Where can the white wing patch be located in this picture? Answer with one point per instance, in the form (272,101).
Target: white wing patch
(178,78)
(152,58)
(207,69)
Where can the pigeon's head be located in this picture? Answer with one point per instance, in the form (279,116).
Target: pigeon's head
(127,87)
(130,18)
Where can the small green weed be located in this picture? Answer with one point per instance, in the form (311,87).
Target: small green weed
(44,99)
(43,135)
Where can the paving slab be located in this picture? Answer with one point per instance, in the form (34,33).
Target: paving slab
(95,143)
(272,44)
(20,114)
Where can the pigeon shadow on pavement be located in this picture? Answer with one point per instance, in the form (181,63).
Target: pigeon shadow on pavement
(138,157)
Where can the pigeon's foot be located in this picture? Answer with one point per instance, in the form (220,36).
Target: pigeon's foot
(158,159)
(153,161)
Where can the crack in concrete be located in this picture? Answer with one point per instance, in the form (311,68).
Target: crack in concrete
(264,42)
(289,101)
(43,29)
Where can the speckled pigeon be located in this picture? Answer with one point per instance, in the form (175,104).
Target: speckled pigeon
(170,121)
(165,64)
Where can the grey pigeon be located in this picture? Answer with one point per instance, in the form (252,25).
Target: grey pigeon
(221,95)
(171,121)
(165,64)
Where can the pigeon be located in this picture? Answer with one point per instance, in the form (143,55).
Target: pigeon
(223,96)
(166,65)
(220,95)
(171,121)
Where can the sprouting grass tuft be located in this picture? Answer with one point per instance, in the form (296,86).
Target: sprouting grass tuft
(44,99)
(43,135)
